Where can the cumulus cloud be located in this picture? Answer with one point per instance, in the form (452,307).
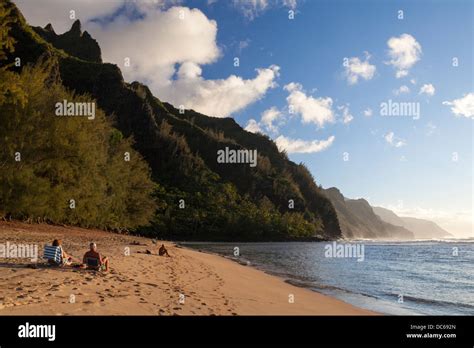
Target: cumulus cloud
(355,68)
(312,110)
(158,41)
(219,98)
(302,146)
(368,112)
(253,126)
(269,117)
(401,90)
(270,121)
(393,140)
(404,51)
(427,89)
(463,106)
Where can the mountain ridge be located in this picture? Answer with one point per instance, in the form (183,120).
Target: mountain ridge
(358,220)
(421,228)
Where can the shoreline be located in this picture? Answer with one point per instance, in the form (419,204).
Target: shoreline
(190,282)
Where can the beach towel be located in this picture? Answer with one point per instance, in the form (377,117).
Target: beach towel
(53,253)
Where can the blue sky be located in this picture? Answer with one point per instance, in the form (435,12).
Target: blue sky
(399,162)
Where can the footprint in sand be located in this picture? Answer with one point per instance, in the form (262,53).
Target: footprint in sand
(151,284)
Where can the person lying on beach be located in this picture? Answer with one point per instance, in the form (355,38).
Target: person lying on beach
(163,251)
(102,262)
(65,258)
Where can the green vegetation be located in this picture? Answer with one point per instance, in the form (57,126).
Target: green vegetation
(47,161)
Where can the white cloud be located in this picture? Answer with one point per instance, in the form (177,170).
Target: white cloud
(463,106)
(402,90)
(270,121)
(404,51)
(243,45)
(269,117)
(393,140)
(251,8)
(219,98)
(155,43)
(312,110)
(302,146)
(253,126)
(368,112)
(346,115)
(356,68)
(254,8)
(427,89)
(291,4)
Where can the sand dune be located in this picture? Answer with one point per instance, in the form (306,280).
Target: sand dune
(188,283)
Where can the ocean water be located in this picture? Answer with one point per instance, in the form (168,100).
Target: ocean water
(399,278)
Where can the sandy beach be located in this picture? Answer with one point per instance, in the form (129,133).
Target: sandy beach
(187,283)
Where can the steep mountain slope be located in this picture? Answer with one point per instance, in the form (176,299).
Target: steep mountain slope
(181,149)
(388,216)
(422,229)
(358,220)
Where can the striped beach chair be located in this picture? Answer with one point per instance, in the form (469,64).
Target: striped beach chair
(53,254)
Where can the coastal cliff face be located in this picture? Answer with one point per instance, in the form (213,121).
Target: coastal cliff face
(358,220)
(276,200)
(422,229)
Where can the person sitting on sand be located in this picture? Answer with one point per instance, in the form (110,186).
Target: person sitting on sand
(163,251)
(65,258)
(93,254)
